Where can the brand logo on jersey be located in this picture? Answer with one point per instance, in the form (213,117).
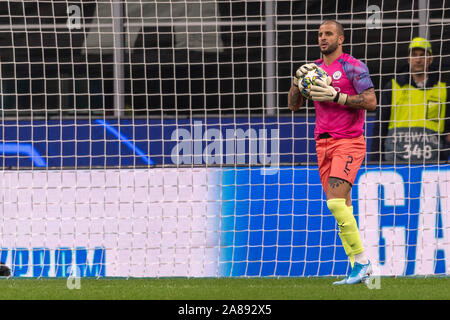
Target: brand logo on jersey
(337,75)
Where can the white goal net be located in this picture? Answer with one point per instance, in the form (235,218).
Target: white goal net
(152,139)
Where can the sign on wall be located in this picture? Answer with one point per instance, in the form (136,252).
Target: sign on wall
(208,222)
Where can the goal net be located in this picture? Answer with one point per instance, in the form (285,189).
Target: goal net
(152,139)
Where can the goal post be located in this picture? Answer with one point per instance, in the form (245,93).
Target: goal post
(147,138)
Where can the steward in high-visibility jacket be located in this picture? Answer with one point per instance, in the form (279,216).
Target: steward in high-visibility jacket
(413,120)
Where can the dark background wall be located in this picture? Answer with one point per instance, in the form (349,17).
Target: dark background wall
(47,70)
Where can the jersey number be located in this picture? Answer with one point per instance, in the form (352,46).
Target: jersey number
(350,160)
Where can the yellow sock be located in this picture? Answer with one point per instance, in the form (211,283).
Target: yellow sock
(348,250)
(350,255)
(348,229)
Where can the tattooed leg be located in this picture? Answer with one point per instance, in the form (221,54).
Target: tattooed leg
(340,189)
(338,202)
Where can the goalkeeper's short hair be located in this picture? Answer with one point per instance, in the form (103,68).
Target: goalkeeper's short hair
(339,26)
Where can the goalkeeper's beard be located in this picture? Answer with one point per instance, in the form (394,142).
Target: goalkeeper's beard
(331,48)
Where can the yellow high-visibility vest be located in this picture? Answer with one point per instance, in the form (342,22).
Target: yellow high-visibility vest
(414,107)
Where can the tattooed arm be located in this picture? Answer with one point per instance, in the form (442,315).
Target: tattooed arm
(324,91)
(365,100)
(295,99)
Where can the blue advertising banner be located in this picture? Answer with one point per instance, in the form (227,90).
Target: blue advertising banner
(215,141)
(279,224)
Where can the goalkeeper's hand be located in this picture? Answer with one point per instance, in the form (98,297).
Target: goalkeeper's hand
(302,71)
(324,91)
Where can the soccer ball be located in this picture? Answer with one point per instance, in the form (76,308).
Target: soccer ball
(305,82)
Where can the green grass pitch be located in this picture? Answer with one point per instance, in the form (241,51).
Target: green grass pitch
(224,289)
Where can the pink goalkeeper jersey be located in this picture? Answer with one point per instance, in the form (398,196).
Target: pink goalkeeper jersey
(350,76)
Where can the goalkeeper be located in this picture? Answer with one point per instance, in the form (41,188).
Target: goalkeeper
(340,103)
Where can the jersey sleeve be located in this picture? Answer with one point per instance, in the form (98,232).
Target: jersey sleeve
(359,75)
